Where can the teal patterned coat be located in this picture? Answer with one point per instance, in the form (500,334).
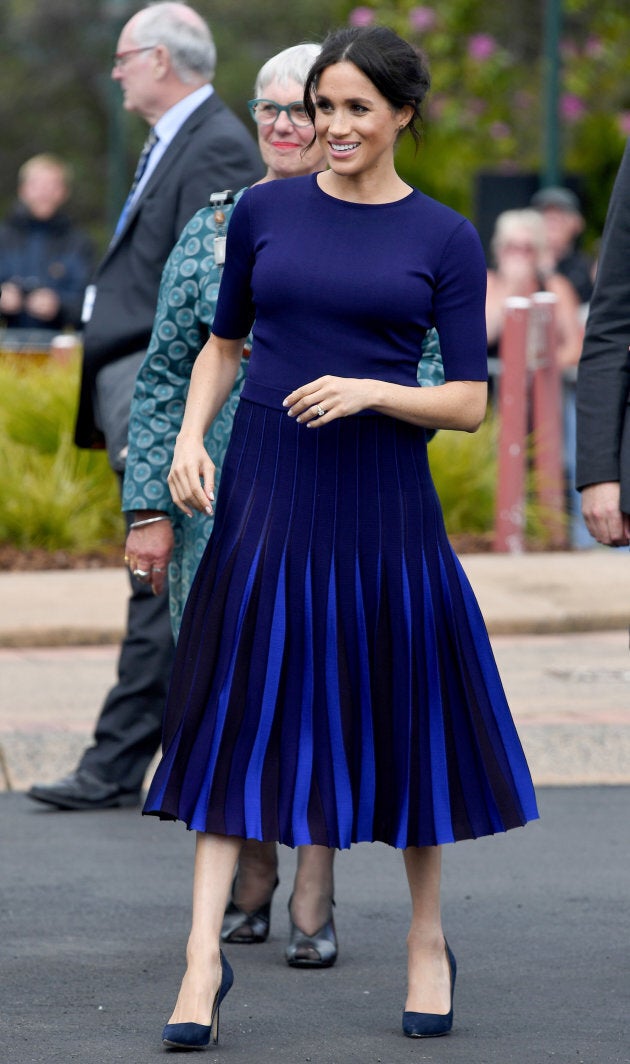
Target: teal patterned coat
(184,317)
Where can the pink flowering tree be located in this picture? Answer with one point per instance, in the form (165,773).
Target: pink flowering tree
(486,107)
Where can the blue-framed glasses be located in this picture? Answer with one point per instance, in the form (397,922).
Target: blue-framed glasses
(266,112)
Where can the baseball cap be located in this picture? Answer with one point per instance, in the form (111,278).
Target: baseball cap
(562,199)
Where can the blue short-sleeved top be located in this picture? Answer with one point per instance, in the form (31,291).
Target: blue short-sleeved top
(350,289)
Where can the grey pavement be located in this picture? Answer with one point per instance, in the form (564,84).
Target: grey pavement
(94,917)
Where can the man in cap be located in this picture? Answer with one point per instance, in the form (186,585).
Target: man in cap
(564,224)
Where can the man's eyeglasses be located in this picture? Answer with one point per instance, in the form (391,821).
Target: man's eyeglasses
(119,59)
(266,112)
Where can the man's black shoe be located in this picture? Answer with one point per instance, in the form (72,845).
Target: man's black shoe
(82,790)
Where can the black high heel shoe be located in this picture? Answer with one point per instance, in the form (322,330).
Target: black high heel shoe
(311,951)
(432,1024)
(197,1035)
(241,928)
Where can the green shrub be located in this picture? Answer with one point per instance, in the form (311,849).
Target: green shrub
(464,469)
(52,495)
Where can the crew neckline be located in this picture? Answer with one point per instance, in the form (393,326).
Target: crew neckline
(353,203)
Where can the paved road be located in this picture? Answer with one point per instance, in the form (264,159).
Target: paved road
(94,916)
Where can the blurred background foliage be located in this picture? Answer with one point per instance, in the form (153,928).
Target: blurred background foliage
(485,113)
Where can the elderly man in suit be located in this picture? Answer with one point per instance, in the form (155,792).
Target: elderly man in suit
(164,63)
(603,389)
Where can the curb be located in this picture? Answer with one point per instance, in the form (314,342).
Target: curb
(70,636)
(23,638)
(527,594)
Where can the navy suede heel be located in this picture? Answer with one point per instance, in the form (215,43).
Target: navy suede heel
(197,1035)
(431,1024)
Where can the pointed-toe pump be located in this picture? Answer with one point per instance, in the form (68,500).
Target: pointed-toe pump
(431,1024)
(197,1035)
(241,928)
(311,951)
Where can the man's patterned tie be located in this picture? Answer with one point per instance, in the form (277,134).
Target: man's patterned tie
(148,147)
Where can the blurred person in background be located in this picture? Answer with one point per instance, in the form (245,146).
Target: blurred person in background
(164,62)
(564,221)
(521,257)
(45,260)
(519,249)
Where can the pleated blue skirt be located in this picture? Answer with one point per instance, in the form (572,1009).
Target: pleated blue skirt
(333,680)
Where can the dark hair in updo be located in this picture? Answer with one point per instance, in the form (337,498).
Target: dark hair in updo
(395,68)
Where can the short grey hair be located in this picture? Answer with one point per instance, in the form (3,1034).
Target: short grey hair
(513,221)
(293,64)
(185,35)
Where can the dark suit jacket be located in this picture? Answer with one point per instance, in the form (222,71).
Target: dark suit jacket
(603,388)
(212,151)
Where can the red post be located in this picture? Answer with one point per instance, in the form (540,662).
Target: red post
(509,525)
(547,418)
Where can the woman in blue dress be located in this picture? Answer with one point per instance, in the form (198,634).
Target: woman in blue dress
(162,536)
(334,681)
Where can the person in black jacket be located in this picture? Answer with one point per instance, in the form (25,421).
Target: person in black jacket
(45,260)
(603,387)
(164,63)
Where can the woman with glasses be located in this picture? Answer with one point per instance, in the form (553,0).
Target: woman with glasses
(185,313)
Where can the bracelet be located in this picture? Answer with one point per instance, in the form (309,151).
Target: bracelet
(148,521)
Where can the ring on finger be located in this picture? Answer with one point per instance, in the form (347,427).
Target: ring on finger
(319,410)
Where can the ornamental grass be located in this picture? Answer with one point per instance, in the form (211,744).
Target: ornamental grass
(53,496)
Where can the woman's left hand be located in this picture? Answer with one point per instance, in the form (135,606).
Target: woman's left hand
(328,398)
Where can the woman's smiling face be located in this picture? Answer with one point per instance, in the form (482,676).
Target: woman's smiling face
(356,126)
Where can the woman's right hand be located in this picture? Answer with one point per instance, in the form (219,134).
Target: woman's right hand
(191,479)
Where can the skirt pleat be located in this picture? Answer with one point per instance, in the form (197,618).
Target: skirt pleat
(334,681)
